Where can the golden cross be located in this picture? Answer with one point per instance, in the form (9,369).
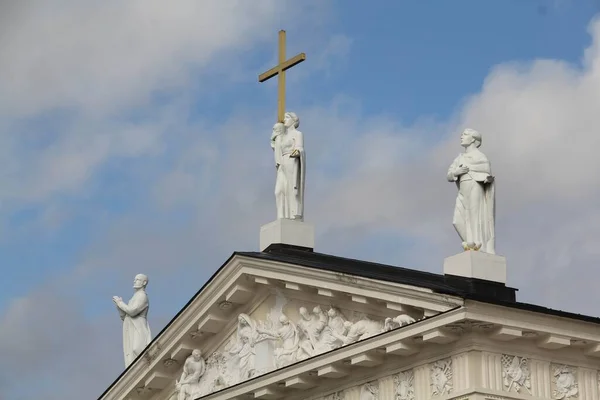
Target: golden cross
(279,70)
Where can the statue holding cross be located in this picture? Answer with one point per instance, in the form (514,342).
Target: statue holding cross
(287,143)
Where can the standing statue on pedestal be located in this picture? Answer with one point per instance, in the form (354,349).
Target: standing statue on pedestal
(136,331)
(475,209)
(290,161)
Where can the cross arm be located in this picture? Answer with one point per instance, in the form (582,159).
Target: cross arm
(282,67)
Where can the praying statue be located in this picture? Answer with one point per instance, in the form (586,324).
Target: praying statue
(475,208)
(290,163)
(136,331)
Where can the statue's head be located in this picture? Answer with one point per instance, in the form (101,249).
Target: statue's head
(278,128)
(304,313)
(140,281)
(242,320)
(470,136)
(197,354)
(284,320)
(332,312)
(317,310)
(291,119)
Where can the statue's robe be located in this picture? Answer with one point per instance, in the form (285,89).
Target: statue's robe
(291,172)
(475,209)
(136,331)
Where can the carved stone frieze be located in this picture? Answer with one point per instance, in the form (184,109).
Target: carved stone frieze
(369,391)
(516,376)
(283,336)
(404,388)
(564,382)
(441,377)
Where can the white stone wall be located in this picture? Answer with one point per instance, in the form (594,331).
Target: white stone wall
(478,375)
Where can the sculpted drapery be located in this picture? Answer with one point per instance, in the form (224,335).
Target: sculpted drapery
(244,352)
(474,212)
(290,161)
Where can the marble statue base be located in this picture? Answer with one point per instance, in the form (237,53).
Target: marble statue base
(287,231)
(477,264)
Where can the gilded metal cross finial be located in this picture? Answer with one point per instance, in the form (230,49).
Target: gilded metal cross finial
(279,70)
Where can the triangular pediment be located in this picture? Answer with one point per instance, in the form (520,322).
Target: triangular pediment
(247,322)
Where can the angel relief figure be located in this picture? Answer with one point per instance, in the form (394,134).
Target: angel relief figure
(243,353)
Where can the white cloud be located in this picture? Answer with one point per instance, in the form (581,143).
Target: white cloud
(100,56)
(73,72)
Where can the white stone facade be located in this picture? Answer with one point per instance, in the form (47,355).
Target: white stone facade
(448,347)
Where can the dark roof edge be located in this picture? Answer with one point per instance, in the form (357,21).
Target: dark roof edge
(466,288)
(538,309)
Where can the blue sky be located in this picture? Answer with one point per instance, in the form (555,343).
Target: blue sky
(134,141)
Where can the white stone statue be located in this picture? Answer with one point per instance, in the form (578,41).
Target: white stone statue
(474,213)
(189,384)
(136,331)
(290,161)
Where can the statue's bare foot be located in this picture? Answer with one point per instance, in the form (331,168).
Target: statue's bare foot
(465,246)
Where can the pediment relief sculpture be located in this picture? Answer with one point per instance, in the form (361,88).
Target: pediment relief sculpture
(188,384)
(260,346)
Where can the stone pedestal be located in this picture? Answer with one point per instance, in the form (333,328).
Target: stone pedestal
(477,264)
(287,231)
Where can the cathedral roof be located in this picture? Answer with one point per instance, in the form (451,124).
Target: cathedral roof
(468,288)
